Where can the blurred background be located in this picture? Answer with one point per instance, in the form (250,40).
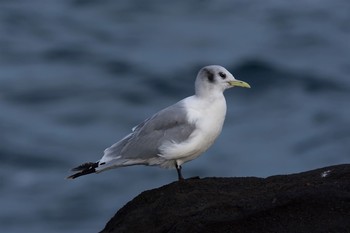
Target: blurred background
(77,75)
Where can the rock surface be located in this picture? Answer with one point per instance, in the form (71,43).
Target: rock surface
(313,201)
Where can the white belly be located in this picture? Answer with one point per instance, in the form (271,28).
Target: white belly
(209,119)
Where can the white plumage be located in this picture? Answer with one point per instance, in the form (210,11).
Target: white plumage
(176,134)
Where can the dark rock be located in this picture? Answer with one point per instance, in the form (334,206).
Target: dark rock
(313,201)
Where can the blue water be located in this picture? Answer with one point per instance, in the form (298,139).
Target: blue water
(75,76)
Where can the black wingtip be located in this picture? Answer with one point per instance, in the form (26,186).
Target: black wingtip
(85,166)
(71,177)
(84,169)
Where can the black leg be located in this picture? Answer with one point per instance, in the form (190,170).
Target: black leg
(178,169)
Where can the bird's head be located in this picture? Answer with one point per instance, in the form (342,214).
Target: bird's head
(216,79)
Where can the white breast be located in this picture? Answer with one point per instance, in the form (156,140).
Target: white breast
(208,115)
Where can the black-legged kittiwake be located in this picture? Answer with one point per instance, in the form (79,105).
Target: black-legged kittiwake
(176,134)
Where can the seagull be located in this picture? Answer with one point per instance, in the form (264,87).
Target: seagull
(175,135)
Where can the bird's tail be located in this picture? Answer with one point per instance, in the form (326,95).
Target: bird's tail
(84,169)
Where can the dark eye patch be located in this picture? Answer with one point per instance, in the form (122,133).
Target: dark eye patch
(222,75)
(210,76)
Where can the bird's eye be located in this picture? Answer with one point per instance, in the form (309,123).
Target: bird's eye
(222,75)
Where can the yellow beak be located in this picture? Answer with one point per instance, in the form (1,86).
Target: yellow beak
(239,83)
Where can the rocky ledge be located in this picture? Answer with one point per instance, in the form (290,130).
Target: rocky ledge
(313,201)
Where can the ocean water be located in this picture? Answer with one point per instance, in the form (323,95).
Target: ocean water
(76,76)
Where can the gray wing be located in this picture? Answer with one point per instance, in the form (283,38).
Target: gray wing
(170,124)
